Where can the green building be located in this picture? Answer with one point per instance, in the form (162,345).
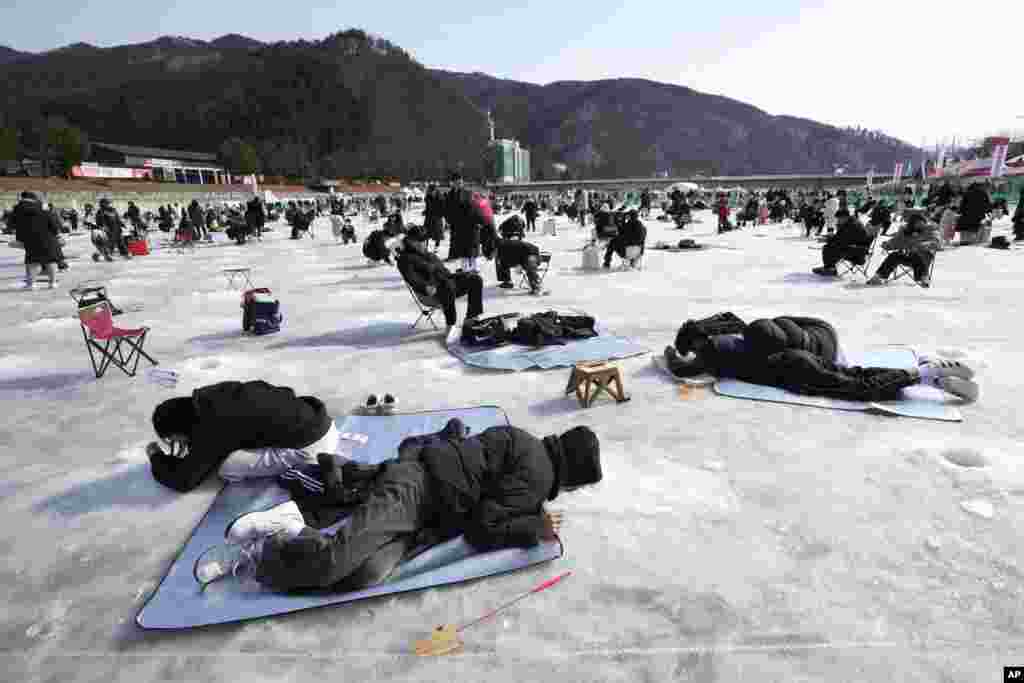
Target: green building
(511,162)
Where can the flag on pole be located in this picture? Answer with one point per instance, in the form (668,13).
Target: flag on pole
(897,172)
(999,156)
(871,177)
(924,169)
(909,168)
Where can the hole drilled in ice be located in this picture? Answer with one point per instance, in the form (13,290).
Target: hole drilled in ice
(964,457)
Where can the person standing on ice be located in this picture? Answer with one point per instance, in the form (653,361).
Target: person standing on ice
(36,231)
(247,429)
(801,355)
(466,212)
(491,487)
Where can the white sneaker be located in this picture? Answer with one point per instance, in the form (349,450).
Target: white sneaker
(937,368)
(453,334)
(54,284)
(28,285)
(284,519)
(265,462)
(964,389)
(220,561)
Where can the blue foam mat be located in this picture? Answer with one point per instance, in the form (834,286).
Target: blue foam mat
(178,602)
(927,403)
(518,357)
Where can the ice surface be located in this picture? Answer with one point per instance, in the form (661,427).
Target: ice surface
(730,540)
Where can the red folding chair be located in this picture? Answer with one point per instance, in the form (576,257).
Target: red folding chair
(97,323)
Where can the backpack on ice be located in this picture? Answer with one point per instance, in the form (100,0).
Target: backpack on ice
(261,312)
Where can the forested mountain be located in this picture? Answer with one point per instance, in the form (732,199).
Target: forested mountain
(348,105)
(356,105)
(634,127)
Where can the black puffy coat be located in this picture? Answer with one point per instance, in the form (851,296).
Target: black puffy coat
(241,415)
(465,222)
(973,208)
(38,230)
(421,270)
(492,486)
(766,337)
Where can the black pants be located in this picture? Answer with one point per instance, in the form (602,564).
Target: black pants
(834,252)
(618,246)
(364,551)
(919,262)
(461,284)
(504,272)
(805,373)
(531,223)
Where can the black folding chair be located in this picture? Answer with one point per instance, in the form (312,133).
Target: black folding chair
(846,266)
(426,305)
(906,271)
(542,271)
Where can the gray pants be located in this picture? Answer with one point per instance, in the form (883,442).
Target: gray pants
(367,548)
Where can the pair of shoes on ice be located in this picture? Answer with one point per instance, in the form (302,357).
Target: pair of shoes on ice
(825,271)
(375,406)
(951,376)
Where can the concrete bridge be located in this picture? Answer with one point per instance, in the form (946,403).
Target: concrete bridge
(638,184)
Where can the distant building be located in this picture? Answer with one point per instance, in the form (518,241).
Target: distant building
(171,166)
(511,162)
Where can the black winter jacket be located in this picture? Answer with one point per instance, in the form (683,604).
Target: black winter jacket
(38,231)
(766,337)
(241,415)
(421,270)
(492,485)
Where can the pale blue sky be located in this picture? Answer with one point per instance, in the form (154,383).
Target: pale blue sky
(898,65)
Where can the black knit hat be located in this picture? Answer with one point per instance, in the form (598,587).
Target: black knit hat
(174,416)
(581,458)
(30,196)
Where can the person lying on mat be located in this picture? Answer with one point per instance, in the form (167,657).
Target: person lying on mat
(511,253)
(491,487)
(801,355)
(247,429)
(427,275)
(849,243)
(632,234)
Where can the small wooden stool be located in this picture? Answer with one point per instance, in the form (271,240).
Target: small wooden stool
(597,376)
(242,274)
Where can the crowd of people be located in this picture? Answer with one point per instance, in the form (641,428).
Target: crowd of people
(432,488)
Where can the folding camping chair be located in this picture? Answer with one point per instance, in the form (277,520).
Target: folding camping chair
(243,275)
(97,325)
(183,239)
(846,266)
(634,258)
(426,305)
(542,271)
(905,271)
(89,292)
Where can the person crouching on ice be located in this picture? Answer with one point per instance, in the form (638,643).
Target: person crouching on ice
(247,429)
(801,355)
(491,487)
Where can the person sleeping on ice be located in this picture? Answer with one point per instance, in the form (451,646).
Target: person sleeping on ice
(801,355)
(247,429)
(491,487)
